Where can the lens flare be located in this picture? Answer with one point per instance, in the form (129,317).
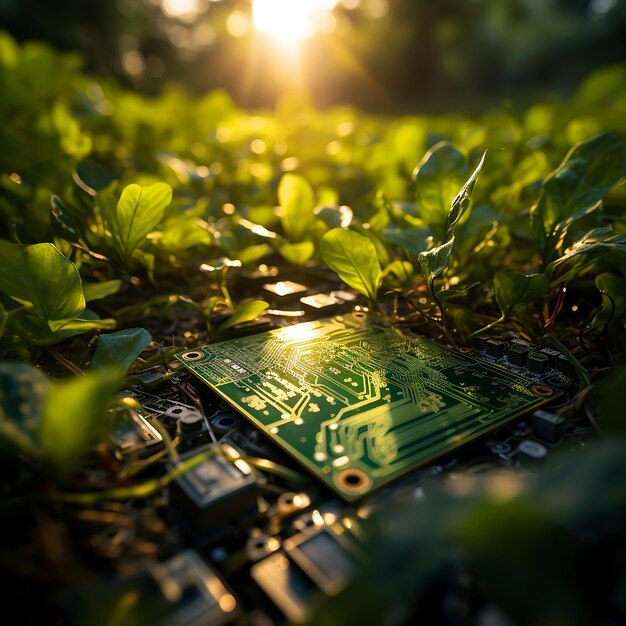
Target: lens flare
(290,22)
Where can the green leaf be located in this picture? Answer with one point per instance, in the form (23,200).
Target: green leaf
(582,253)
(613,311)
(40,278)
(401,271)
(297,253)
(353,258)
(91,176)
(74,415)
(514,292)
(66,224)
(435,262)
(79,325)
(576,187)
(253,254)
(181,232)
(138,212)
(98,291)
(335,215)
(295,196)
(437,180)
(244,313)
(413,240)
(146,259)
(119,350)
(462,200)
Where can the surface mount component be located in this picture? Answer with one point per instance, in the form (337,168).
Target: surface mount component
(195,595)
(213,495)
(359,403)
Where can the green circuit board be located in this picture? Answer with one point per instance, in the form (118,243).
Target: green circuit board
(360,404)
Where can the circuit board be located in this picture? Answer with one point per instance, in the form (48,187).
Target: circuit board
(358,403)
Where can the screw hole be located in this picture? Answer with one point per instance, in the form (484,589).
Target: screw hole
(542,391)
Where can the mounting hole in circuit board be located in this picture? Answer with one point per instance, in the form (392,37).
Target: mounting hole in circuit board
(192,356)
(542,391)
(353,480)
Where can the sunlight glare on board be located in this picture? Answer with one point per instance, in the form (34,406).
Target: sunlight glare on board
(290,22)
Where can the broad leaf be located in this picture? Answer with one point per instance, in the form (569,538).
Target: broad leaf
(91,176)
(253,254)
(138,212)
(613,311)
(97,291)
(146,259)
(435,262)
(514,292)
(119,350)
(66,224)
(576,187)
(335,215)
(413,240)
(297,253)
(437,180)
(42,279)
(295,196)
(353,258)
(74,415)
(398,272)
(584,252)
(244,313)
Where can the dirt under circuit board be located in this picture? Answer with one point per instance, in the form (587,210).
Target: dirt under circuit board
(360,404)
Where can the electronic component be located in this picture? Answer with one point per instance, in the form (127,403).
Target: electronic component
(547,426)
(530,453)
(495,347)
(213,495)
(516,354)
(358,403)
(285,288)
(325,558)
(135,436)
(191,427)
(196,596)
(287,586)
(320,302)
(537,362)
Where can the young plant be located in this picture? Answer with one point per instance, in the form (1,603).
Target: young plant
(136,214)
(353,257)
(43,299)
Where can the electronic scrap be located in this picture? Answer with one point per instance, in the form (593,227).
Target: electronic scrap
(359,403)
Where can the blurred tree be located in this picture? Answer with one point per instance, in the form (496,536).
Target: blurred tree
(378,54)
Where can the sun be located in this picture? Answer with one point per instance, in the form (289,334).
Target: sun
(290,22)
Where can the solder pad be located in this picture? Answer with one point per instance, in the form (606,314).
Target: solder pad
(357,403)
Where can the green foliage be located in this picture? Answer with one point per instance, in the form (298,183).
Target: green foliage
(514,292)
(435,262)
(575,188)
(245,312)
(45,296)
(74,417)
(353,257)
(52,421)
(295,196)
(136,214)
(117,351)
(437,180)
